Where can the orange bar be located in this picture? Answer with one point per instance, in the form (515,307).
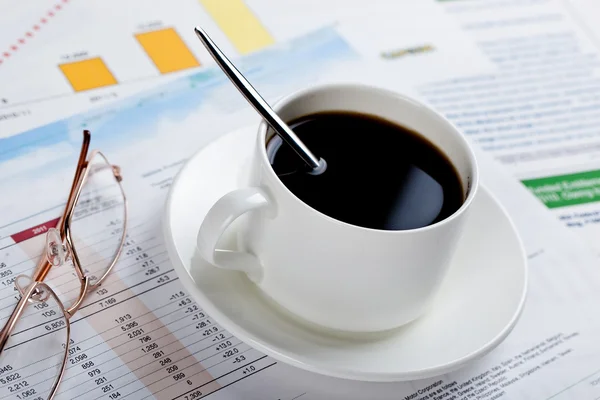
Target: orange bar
(88,74)
(167,50)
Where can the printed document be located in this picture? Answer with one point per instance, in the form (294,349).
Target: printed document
(539,115)
(552,352)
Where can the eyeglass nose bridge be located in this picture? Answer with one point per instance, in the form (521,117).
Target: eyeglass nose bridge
(117,173)
(57,253)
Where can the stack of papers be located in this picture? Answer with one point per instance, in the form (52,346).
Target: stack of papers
(521,79)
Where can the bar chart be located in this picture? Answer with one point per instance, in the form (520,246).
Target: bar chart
(68,63)
(164,48)
(169,53)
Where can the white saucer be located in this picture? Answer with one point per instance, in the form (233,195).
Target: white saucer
(478,306)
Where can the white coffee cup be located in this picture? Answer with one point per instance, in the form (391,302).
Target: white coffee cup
(325,271)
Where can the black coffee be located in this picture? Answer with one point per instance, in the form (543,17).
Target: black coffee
(379,175)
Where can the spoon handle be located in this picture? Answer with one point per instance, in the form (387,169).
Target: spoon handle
(259,104)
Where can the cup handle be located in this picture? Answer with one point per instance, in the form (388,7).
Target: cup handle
(226,210)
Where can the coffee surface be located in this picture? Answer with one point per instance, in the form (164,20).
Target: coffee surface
(379,175)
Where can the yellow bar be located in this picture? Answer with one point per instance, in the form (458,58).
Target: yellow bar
(239,24)
(166,49)
(88,74)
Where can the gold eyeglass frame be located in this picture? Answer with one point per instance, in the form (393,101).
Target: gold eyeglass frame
(33,293)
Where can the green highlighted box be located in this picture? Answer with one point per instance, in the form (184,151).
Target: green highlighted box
(566,190)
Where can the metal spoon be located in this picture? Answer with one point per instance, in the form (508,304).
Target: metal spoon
(317,165)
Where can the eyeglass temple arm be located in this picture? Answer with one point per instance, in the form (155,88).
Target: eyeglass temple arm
(14,317)
(81,164)
(43,267)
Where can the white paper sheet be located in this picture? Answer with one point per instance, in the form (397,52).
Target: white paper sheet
(540,114)
(149,138)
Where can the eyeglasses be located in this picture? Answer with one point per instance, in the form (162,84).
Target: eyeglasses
(33,356)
